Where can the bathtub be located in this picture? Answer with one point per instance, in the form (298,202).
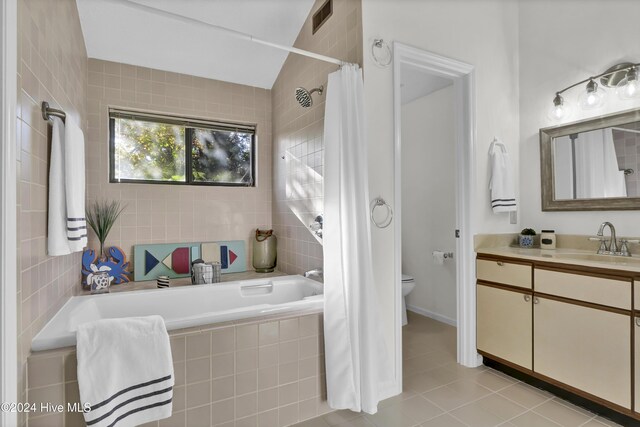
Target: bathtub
(184,307)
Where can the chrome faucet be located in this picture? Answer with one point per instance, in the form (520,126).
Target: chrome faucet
(316,272)
(613,244)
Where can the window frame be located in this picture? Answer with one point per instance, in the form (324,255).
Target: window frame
(189,124)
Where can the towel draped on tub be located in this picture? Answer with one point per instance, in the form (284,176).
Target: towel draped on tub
(125,371)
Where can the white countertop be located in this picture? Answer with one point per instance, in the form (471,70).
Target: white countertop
(566,256)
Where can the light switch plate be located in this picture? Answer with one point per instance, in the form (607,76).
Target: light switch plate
(513,217)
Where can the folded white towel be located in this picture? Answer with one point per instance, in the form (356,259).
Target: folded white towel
(503,196)
(125,371)
(74,172)
(57,243)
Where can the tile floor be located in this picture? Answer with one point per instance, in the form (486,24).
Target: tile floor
(440,393)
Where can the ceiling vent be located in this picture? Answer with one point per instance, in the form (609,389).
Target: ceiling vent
(322,15)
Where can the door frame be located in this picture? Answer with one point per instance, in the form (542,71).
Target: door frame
(463,77)
(8,204)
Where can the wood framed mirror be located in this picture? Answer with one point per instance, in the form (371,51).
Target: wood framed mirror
(592,164)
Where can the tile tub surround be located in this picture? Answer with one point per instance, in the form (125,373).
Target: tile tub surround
(440,393)
(266,373)
(52,66)
(297,133)
(161,213)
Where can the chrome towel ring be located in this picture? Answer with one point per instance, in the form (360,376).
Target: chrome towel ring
(379,201)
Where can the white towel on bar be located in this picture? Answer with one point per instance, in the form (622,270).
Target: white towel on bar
(57,243)
(503,196)
(75,191)
(125,371)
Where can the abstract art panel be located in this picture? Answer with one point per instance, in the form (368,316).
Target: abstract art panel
(174,259)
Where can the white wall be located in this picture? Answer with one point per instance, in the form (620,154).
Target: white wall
(563,42)
(482,33)
(428,206)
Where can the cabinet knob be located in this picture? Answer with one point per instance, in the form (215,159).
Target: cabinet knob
(536,300)
(527,298)
(500,263)
(637,321)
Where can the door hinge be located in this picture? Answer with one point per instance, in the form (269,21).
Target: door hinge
(457,234)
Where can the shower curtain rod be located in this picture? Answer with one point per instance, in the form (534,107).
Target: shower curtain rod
(230,32)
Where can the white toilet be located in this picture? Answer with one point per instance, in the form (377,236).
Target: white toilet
(408,283)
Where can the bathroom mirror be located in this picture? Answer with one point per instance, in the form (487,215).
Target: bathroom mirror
(592,164)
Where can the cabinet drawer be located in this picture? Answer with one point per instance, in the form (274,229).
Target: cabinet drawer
(597,290)
(504,272)
(636,295)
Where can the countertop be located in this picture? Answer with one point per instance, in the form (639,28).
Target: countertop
(186,281)
(566,256)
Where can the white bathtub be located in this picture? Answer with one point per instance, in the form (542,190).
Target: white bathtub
(184,307)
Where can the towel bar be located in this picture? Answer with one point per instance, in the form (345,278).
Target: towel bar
(47,112)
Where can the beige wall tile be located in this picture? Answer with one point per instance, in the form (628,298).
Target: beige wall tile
(246,337)
(198,345)
(199,394)
(52,67)
(222,365)
(157,91)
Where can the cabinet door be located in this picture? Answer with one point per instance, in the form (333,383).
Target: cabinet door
(586,348)
(636,329)
(504,324)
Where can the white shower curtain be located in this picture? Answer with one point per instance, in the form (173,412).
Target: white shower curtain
(354,350)
(597,171)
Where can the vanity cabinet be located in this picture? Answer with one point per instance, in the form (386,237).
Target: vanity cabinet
(572,327)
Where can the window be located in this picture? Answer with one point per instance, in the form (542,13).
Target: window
(149,148)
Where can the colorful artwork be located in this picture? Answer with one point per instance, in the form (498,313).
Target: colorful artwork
(115,264)
(174,260)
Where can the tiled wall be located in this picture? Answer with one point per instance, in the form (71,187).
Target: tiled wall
(52,66)
(627,146)
(298,147)
(267,373)
(157,213)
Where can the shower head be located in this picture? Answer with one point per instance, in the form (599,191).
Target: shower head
(303,96)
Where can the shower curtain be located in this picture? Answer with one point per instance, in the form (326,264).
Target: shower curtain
(354,350)
(597,171)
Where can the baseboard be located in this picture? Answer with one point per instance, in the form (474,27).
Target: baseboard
(433,315)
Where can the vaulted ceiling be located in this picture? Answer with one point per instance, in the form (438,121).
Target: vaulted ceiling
(116,32)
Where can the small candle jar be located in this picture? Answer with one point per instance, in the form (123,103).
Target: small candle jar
(548,239)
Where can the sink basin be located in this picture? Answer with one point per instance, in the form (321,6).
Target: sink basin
(606,259)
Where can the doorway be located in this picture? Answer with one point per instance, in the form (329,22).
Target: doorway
(434,81)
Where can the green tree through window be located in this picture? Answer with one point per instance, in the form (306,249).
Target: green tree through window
(176,151)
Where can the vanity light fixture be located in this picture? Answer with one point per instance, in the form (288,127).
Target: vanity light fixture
(623,77)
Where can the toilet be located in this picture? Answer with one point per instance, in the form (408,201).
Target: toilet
(408,283)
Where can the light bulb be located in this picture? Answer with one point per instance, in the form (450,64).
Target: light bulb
(592,97)
(629,87)
(560,109)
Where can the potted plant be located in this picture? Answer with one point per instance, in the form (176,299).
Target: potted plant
(525,239)
(101,216)
(99,271)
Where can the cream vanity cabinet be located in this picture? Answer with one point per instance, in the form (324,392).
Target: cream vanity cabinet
(504,304)
(569,326)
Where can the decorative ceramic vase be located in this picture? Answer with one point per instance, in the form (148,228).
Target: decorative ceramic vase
(525,241)
(265,248)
